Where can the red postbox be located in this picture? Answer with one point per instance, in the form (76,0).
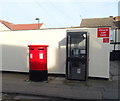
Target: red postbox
(38,62)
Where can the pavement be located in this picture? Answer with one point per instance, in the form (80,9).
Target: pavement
(59,87)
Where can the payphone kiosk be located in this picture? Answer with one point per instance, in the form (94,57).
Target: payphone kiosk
(77,55)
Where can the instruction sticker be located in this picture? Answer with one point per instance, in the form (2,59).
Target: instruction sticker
(31,56)
(41,56)
(103,32)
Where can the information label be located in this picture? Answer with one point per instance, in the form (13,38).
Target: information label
(105,40)
(103,32)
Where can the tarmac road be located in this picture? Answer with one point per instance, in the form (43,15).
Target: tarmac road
(61,89)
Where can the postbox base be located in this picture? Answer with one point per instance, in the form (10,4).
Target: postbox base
(37,75)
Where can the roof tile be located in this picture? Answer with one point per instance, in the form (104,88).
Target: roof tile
(98,22)
(14,27)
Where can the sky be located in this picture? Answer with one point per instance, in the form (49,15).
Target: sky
(56,13)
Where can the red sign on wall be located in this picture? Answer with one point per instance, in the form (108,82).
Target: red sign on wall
(103,32)
(105,40)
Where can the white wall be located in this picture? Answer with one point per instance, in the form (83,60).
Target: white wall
(3,27)
(98,56)
(15,50)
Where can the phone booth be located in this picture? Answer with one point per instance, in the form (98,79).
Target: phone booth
(38,62)
(77,55)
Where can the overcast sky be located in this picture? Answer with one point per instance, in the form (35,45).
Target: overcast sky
(56,13)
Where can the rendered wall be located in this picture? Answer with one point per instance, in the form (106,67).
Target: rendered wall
(15,50)
(98,56)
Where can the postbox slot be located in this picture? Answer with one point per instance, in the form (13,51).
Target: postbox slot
(31,49)
(40,49)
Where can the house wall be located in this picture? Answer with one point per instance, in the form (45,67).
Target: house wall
(119,38)
(3,27)
(117,46)
(98,56)
(113,38)
(15,51)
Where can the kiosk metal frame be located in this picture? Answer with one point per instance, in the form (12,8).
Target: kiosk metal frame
(77,55)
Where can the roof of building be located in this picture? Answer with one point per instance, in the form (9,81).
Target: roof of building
(117,18)
(15,27)
(99,22)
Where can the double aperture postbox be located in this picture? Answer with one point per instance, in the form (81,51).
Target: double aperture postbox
(38,62)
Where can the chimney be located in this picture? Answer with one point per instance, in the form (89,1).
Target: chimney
(110,16)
